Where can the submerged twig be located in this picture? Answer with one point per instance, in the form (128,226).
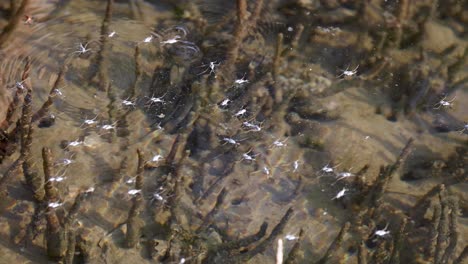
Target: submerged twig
(34,181)
(50,99)
(134,223)
(51,192)
(335,245)
(380,185)
(13,24)
(101,77)
(209,217)
(443,228)
(293,256)
(274,233)
(453,238)
(463,256)
(398,243)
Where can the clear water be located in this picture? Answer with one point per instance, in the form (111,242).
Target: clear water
(272,139)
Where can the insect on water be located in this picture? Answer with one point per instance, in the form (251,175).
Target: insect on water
(128,102)
(241,81)
(90,122)
(328,170)
(340,194)
(249,157)
(240,112)
(225,102)
(155,100)
(19,85)
(444,103)
(343,175)
(230,141)
(75,143)
(348,73)
(82,48)
(279,144)
(382,232)
(211,67)
(251,126)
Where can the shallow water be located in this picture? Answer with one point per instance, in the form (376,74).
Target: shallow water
(256,137)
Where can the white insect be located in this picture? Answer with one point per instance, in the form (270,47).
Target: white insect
(295,165)
(328,169)
(75,143)
(252,126)
(58,178)
(127,102)
(240,112)
(343,175)
(82,49)
(134,191)
(173,40)
(157,158)
(157,196)
(64,162)
(340,194)
(230,141)
(148,39)
(266,171)
(20,85)
(54,204)
(383,232)
(112,34)
(225,102)
(131,180)
(444,103)
(247,156)
(57,92)
(156,100)
(109,127)
(279,144)
(90,122)
(211,67)
(349,73)
(290,237)
(241,81)
(89,190)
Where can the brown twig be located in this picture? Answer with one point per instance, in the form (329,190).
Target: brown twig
(265,243)
(33,179)
(430,251)
(209,217)
(50,99)
(51,192)
(443,228)
(293,255)
(335,245)
(13,24)
(463,256)
(134,223)
(398,243)
(453,230)
(380,185)
(101,77)
(362,253)
(11,170)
